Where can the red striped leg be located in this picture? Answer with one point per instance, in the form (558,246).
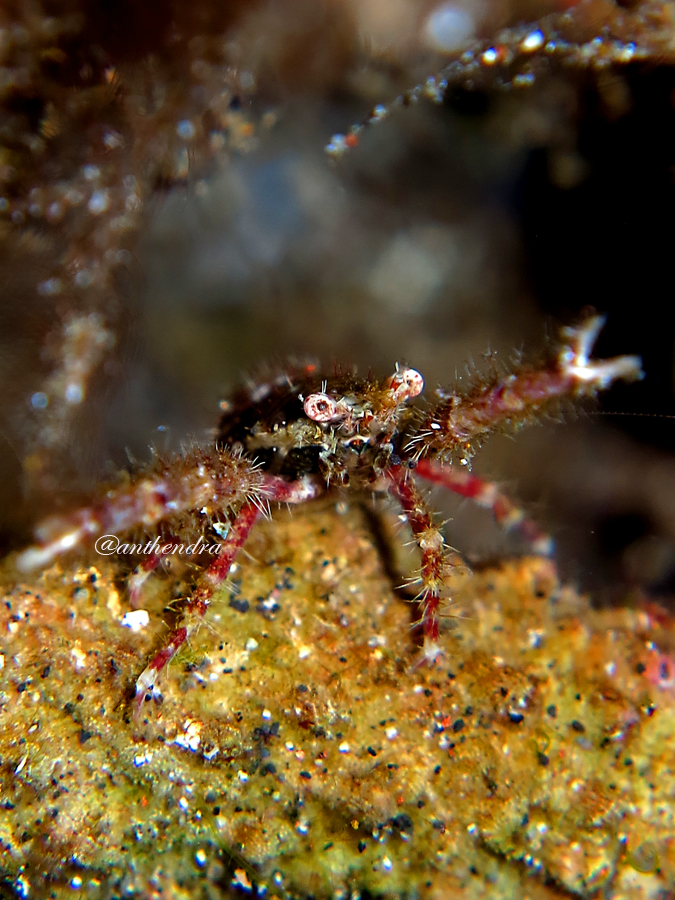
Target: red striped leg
(159,492)
(487,495)
(145,569)
(273,488)
(435,564)
(197,604)
(461,420)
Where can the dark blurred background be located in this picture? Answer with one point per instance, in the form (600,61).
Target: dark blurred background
(480,224)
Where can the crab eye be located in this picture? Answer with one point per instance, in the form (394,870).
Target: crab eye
(320,408)
(406,383)
(413,382)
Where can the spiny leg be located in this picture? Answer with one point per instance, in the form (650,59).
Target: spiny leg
(461,420)
(197,604)
(145,568)
(274,489)
(435,563)
(487,495)
(200,478)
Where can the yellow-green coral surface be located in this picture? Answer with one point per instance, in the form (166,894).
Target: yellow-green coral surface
(299,752)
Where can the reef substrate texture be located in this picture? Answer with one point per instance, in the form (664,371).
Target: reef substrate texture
(297,752)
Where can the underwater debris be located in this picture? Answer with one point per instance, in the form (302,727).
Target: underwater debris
(94,122)
(593,35)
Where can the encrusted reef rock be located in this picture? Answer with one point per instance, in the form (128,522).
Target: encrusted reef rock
(299,752)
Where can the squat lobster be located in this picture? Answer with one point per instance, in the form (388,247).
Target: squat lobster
(295,435)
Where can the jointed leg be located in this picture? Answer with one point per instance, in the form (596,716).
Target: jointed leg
(145,569)
(140,575)
(159,492)
(273,488)
(460,421)
(435,564)
(488,495)
(197,604)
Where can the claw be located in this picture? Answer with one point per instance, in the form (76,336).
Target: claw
(145,687)
(575,359)
(430,652)
(39,557)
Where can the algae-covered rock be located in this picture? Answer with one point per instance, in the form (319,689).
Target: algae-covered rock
(298,751)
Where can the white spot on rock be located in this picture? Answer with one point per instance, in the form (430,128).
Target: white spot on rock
(136,620)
